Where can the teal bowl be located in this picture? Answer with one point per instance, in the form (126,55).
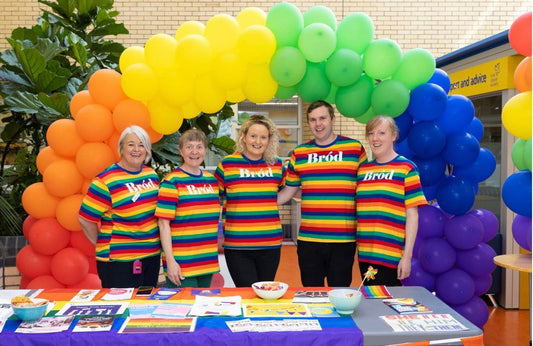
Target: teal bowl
(31,313)
(345,300)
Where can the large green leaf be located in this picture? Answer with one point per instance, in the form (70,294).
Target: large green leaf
(9,58)
(72,87)
(48,49)
(23,101)
(224,143)
(31,60)
(13,77)
(25,34)
(109,29)
(56,104)
(79,52)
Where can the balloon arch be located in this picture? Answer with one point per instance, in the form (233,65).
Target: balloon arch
(258,56)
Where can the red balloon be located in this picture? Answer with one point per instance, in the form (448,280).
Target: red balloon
(92,265)
(69,266)
(24,281)
(47,236)
(45,282)
(520,34)
(26,225)
(79,241)
(90,281)
(32,264)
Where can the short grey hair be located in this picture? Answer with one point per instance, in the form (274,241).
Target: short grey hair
(143,137)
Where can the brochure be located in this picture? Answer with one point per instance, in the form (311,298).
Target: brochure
(423,323)
(310,297)
(216,306)
(84,296)
(164,293)
(159,325)
(406,306)
(93,309)
(118,294)
(276,310)
(46,325)
(94,324)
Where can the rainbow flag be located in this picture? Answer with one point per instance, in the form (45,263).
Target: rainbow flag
(159,325)
(376,292)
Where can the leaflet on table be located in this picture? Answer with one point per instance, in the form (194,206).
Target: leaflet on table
(161,310)
(94,324)
(5,313)
(158,325)
(119,294)
(406,306)
(84,296)
(322,310)
(287,325)
(52,324)
(164,293)
(310,297)
(93,309)
(276,310)
(423,323)
(216,306)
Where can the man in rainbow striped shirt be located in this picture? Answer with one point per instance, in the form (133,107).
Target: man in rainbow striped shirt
(325,168)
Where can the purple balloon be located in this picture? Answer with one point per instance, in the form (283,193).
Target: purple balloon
(464,232)
(436,255)
(455,287)
(522,231)
(482,284)
(431,222)
(419,277)
(478,261)
(490,223)
(475,310)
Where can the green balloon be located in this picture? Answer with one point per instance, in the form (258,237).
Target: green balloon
(285,93)
(517,154)
(317,41)
(320,14)
(369,114)
(527,154)
(315,85)
(285,21)
(287,66)
(416,68)
(390,97)
(332,93)
(354,100)
(344,67)
(382,58)
(355,32)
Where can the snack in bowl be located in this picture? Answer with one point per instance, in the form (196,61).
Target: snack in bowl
(29,309)
(345,300)
(270,290)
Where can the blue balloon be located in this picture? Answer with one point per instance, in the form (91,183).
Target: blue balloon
(464,232)
(436,255)
(441,79)
(431,222)
(475,310)
(426,139)
(455,287)
(478,261)
(461,149)
(431,170)
(476,128)
(419,277)
(516,192)
(430,191)
(404,123)
(402,148)
(481,169)
(427,102)
(455,195)
(457,116)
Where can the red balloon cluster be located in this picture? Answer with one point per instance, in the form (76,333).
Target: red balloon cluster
(59,254)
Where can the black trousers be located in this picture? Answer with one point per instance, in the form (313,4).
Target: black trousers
(249,266)
(120,274)
(331,261)
(386,276)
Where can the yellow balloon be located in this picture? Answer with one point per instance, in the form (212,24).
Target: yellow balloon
(208,96)
(222,31)
(251,16)
(229,70)
(259,86)
(194,52)
(235,95)
(516,115)
(139,82)
(191,27)
(176,87)
(130,56)
(159,52)
(190,110)
(164,118)
(256,44)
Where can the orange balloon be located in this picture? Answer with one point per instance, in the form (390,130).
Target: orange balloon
(105,88)
(93,158)
(90,281)
(45,282)
(47,236)
(130,112)
(79,241)
(26,225)
(32,264)
(154,136)
(69,266)
(112,142)
(522,75)
(62,178)
(63,137)
(78,101)
(85,186)
(46,156)
(37,202)
(67,212)
(94,123)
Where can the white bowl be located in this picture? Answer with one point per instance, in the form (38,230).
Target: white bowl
(270,290)
(345,300)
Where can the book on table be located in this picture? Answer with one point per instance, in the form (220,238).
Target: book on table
(406,306)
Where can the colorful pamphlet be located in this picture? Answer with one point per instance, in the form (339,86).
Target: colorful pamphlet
(375,292)
(84,296)
(205,291)
(164,293)
(423,323)
(216,306)
(310,297)
(119,294)
(53,324)
(247,325)
(276,310)
(406,306)
(158,325)
(94,324)
(93,309)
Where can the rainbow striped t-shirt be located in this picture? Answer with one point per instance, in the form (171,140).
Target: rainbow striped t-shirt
(191,203)
(327,177)
(384,192)
(250,189)
(124,202)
